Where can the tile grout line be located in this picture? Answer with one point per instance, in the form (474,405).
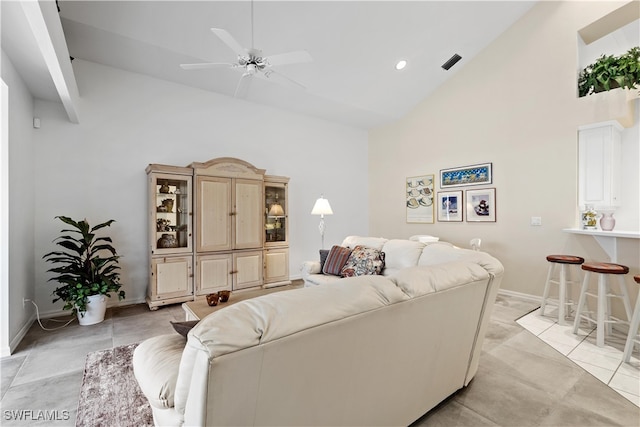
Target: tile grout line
(573,361)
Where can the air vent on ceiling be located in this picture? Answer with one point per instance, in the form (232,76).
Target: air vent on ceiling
(452,61)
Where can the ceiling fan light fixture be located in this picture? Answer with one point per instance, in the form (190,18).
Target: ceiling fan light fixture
(401,64)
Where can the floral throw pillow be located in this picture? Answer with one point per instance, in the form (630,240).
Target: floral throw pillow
(363,261)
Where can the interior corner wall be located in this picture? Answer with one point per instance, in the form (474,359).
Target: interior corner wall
(515,105)
(96,169)
(20,209)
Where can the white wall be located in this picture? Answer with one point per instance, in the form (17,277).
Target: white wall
(20,258)
(96,169)
(514,105)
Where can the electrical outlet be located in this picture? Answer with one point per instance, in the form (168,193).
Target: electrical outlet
(24,302)
(536,220)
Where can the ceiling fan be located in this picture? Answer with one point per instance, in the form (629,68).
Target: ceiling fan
(252,64)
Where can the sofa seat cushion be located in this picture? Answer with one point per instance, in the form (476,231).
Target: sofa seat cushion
(156,362)
(320,279)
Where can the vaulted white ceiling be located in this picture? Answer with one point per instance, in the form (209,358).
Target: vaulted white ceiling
(354,46)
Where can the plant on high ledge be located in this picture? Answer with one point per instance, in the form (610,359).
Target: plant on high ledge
(87,265)
(610,72)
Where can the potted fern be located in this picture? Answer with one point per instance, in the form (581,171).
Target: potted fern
(610,72)
(86,267)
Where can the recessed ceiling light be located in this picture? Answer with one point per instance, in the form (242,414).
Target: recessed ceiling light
(401,64)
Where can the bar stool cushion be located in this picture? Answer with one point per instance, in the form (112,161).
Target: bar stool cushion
(637,278)
(565,259)
(605,268)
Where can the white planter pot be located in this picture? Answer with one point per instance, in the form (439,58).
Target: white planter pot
(96,308)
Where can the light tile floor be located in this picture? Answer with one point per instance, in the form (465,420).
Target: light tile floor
(521,381)
(603,363)
(45,372)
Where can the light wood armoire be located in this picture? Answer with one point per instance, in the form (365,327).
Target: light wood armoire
(240,230)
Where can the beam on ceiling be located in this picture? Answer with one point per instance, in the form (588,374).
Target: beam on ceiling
(611,22)
(45,24)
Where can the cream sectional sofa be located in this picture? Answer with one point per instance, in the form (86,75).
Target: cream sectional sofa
(366,350)
(399,254)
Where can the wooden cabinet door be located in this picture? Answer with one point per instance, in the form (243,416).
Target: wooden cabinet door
(249,213)
(247,269)
(214,273)
(171,277)
(214,214)
(276,265)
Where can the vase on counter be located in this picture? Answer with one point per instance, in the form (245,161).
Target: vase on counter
(607,221)
(589,218)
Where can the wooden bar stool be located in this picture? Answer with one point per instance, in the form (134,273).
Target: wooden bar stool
(563,261)
(633,337)
(603,319)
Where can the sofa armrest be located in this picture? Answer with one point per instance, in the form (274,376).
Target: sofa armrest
(156,363)
(310,267)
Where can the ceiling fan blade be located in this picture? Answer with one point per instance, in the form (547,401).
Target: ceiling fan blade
(229,41)
(280,78)
(206,65)
(290,58)
(243,85)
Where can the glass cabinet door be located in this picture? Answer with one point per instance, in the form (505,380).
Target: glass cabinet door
(171,212)
(275,222)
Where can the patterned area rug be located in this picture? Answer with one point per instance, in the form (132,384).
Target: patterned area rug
(110,395)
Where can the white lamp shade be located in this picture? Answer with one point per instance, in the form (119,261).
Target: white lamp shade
(322,207)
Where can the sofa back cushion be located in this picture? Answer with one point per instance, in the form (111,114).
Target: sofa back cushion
(270,317)
(400,253)
(367,242)
(442,252)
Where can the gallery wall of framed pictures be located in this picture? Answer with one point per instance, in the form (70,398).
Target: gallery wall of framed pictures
(476,205)
(450,204)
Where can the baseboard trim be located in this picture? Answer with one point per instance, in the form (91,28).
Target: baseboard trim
(528,297)
(59,313)
(8,351)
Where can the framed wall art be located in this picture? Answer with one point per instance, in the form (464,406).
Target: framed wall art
(419,192)
(450,206)
(481,205)
(466,175)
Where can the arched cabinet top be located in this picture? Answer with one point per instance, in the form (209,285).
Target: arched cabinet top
(228,167)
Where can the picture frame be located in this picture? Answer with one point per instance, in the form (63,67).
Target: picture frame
(481,205)
(450,206)
(419,199)
(480,174)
